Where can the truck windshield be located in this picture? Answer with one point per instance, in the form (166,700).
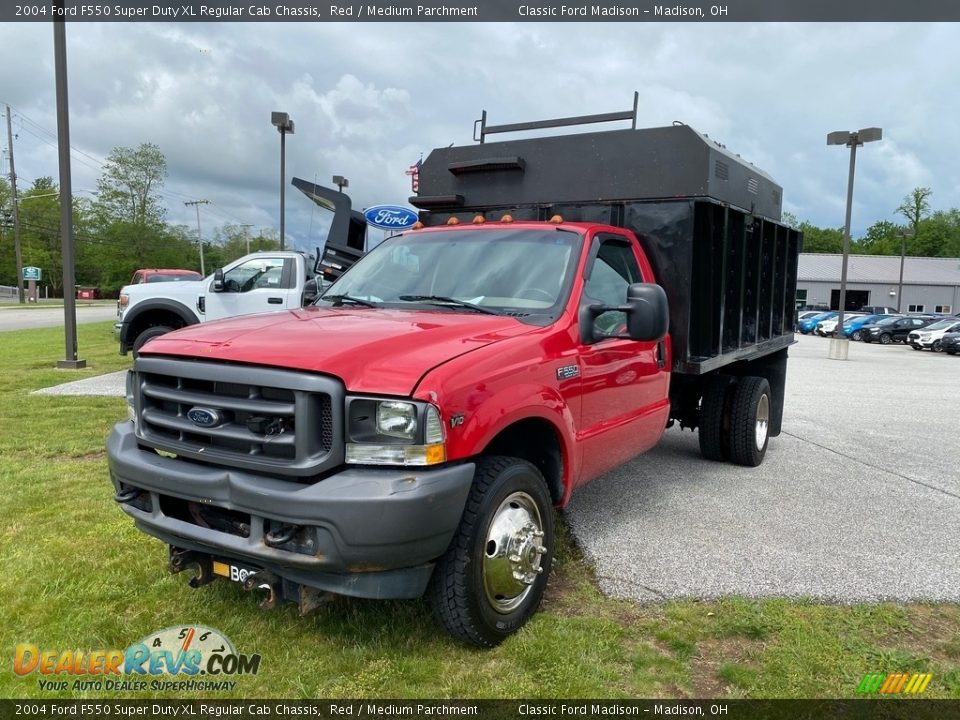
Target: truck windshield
(521,271)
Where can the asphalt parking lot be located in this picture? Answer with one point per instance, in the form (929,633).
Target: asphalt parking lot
(857,500)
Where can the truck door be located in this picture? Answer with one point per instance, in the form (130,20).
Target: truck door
(624,382)
(257,285)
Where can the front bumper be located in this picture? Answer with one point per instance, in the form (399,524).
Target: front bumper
(364,532)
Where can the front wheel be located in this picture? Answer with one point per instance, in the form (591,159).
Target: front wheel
(493,576)
(856,335)
(936,347)
(885,339)
(147,335)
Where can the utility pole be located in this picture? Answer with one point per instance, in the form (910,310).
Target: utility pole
(16,212)
(197,204)
(246,234)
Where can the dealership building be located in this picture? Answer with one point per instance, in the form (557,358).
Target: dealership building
(929,284)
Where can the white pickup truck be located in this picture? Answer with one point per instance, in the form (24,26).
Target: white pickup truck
(257,283)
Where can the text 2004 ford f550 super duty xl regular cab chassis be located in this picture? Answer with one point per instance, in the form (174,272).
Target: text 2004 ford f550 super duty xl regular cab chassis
(413,430)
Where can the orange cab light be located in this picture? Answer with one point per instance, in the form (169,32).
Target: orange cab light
(507,219)
(453,221)
(556,219)
(417,226)
(479,219)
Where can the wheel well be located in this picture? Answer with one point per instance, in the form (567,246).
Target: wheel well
(538,442)
(155,317)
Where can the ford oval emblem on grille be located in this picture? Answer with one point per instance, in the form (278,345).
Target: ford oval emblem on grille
(204,417)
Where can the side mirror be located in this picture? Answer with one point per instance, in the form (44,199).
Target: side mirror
(310,292)
(218,280)
(646,310)
(648,316)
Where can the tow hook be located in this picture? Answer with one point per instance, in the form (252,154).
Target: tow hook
(269,583)
(127,495)
(280,535)
(181,560)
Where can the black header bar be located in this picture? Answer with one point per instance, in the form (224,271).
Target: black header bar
(348,11)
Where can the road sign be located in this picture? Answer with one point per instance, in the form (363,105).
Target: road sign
(32,273)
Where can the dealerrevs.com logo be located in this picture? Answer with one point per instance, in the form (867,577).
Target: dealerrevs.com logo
(191,657)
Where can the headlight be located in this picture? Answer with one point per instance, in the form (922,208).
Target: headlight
(393,432)
(397,419)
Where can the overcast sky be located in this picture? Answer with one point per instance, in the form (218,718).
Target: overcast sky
(368,99)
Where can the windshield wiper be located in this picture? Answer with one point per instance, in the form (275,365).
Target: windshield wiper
(339,300)
(447,301)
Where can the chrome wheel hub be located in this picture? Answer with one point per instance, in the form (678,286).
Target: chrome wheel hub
(513,552)
(763,421)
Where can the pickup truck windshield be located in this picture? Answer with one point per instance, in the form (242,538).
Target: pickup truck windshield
(522,271)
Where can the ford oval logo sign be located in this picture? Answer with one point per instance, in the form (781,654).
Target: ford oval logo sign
(390,217)
(204,417)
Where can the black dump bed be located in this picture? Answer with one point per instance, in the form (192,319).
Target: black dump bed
(707,220)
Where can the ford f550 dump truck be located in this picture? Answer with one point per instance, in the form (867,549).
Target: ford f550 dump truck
(567,299)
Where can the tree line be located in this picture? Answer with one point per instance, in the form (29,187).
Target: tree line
(923,233)
(123,227)
(120,229)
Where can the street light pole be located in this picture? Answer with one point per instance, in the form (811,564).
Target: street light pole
(904,234)
(839,345)
(71,360)
(284,125)
(16,216)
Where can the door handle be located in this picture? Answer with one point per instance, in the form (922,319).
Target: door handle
(275,301)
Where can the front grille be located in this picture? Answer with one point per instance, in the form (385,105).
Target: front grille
(274,421)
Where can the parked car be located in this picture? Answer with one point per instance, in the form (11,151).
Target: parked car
(853,328)
(153,275)
(893,329)
(879,310)
(806,314)
(931,337)
(810,324)
(826,328)
(950,343)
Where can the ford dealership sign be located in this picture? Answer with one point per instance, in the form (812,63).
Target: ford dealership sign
(390,217)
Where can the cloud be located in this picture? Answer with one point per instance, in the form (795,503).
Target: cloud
(368,99)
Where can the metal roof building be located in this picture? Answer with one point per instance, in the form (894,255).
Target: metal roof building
(929,284)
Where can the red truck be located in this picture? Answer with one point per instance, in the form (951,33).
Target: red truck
(566,300)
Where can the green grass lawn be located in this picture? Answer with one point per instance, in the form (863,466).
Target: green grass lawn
(77,575)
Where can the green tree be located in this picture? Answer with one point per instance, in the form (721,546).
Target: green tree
(915,207)
(882,238)
(127,190)
(821,240)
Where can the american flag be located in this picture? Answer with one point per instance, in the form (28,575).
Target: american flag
(414,172)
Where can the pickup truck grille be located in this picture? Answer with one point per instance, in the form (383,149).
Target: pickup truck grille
(273,421)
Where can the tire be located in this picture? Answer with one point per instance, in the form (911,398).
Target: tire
(475,590)
(713,414)
(936,347)
(856,335)
(885,339)
(750,409)
(148,334)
